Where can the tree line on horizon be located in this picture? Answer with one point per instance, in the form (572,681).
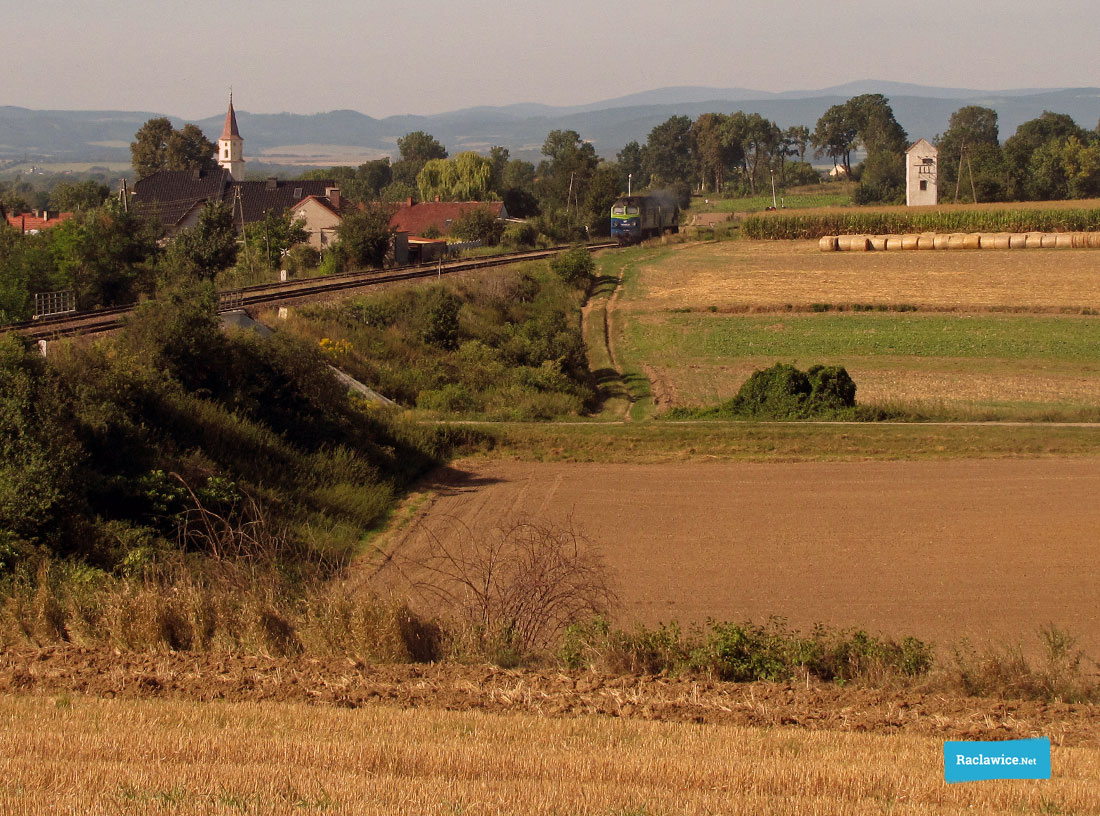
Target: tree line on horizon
(112,257)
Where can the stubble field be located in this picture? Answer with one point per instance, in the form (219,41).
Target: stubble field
(75,755)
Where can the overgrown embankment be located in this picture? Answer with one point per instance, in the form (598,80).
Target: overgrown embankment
(503,345)
(175,443)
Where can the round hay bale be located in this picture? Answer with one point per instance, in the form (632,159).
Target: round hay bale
(1049,240)
(878,242)
(956,240)
(1063,240)
(853,243)
(828,243)
(972,240)
(986,240)
(926,240)
(941,241)
(909,241)
(1093,240)
(1034,240)
(1017,240)
(1080,240)
(998,240)
(895,242)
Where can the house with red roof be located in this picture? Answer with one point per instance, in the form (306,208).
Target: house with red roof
(322,215)
(416,219)
(33,223)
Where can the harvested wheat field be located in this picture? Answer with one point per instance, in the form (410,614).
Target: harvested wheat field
(988,550)
(774,274)
(78,755)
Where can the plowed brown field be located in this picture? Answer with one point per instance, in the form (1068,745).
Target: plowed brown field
(989,550)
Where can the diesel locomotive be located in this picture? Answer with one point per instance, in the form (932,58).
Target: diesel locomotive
(635,218)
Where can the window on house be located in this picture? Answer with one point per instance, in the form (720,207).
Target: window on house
(227,153)
(923,184)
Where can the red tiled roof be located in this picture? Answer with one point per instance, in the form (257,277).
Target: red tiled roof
(229,131)
(417,218)
(27,222)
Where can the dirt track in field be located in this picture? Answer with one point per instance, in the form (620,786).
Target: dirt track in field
(985,549)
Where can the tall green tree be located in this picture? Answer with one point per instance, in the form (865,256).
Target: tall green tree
(970,160)
(416,149)
(630,160)
(716,149)
(75,196)
(365,235)
(273,237)
(758,139)
(466,177)
(108,255)
(606,186)
(667,157)
(1032,156)
(158,146)
(835,136)
(205,250)
(568,168)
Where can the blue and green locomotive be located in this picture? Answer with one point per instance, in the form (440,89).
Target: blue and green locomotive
(635,218)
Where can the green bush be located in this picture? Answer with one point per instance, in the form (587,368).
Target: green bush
(785,392)
(574,265)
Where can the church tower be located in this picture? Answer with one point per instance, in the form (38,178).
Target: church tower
(231,145)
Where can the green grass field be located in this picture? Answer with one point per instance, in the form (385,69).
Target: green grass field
(836,336)
(947,361)
(829,197)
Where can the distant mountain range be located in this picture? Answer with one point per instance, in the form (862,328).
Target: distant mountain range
(350,137)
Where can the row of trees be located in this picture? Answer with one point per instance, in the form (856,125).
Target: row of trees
(1047,159)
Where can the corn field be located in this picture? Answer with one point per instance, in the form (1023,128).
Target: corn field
(806,227)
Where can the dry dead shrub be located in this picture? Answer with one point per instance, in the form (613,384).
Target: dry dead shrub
(1059,675)
(339,622)
(513,589)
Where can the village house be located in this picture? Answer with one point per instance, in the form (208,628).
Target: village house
(175,197)
(33,223)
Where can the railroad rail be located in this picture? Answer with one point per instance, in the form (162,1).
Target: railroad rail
(105,320)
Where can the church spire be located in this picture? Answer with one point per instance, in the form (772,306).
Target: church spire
(231,145)
(229,131)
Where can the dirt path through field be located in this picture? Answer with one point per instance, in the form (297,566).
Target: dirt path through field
(986,549)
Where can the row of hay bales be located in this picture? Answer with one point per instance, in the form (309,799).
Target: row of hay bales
(961,240)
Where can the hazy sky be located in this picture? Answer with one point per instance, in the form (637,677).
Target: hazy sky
(425,56)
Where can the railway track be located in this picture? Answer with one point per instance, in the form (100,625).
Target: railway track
(104,320)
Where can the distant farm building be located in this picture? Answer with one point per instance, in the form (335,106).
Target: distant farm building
(921,187)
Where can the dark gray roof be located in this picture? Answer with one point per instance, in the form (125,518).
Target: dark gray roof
(257,198)
(169,195)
